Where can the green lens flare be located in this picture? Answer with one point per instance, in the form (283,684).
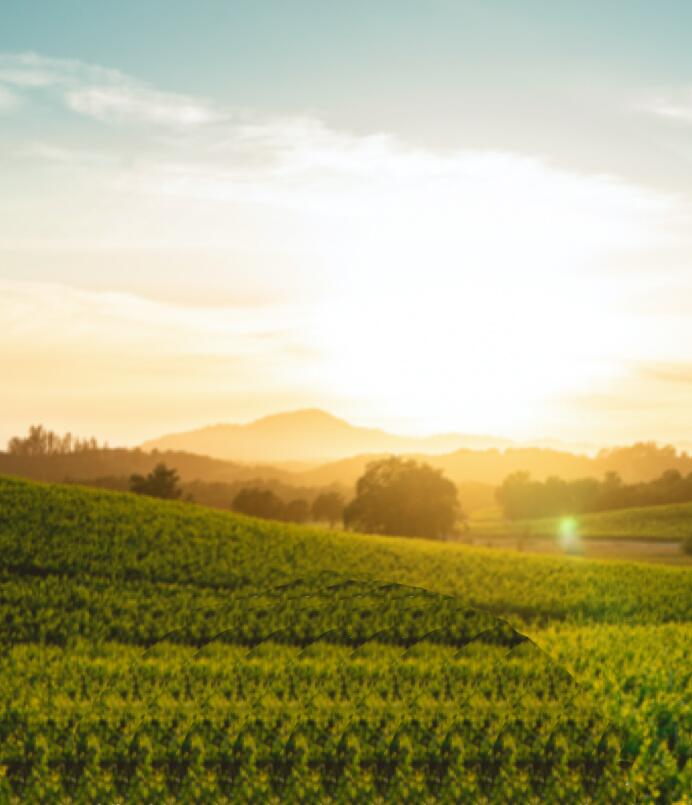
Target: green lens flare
(569,535)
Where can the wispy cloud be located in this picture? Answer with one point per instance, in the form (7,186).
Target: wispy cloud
(140,104)
(107,95)
(676,106)
(8,100)
(31,70)
(444,208)
(115,363)
(677,373)
(498,256)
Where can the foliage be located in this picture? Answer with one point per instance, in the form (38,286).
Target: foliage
(296,511)
(228,718)
(328,507)
(258,502)
(41,442)
(124,550)
(522,498)
(399,496)
(161,482)
(136,666)
(261,502)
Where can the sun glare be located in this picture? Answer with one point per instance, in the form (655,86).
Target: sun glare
(569,535)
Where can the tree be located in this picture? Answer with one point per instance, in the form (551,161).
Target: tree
(296,511)
(514,495)
(258,502)
(161,482)
(404,497)
(42,442)
(329,506)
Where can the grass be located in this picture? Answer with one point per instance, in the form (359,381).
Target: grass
(650,523)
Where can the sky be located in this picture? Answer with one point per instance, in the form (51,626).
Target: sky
(424,216)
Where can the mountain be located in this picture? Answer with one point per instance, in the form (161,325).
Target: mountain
(308,435)
(635,463)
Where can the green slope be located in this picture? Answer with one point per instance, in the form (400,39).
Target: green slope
(660,523)
(132,556)
(90,579)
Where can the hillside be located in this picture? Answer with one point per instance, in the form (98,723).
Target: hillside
(308,435)
(166,652)
(122,462)
(634,463)
(670,522)
(120,541)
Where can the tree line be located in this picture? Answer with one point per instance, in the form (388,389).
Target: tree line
(164,482)
(521,497)
(43,442)
(395,496)
(257,502)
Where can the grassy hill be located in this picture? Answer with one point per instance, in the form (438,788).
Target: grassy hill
(125,624)
(121,540)
(662,523)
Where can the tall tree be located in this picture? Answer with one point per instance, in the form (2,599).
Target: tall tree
(161,482)
(258,502)
(404,497)
(329,507)
(296,511)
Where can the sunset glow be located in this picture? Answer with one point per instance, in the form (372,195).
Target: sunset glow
(172,254)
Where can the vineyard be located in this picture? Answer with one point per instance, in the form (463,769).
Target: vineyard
(163,652)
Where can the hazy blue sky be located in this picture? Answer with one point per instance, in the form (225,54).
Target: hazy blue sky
(422,215)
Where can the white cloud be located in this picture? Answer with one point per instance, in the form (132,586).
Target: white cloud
(501,258)
(31,70)
(683,113)
(112,322)
(8,100)
(140,104)
(362,199)
(674,106)
(107,95)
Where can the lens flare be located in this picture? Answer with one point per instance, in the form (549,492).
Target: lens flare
(569,536)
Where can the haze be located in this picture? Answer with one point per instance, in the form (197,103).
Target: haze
(423,217)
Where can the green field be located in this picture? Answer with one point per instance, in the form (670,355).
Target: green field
(656,523)
(136,666)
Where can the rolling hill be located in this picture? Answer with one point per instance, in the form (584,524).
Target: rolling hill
(96,535)
(634,463)
(141,659)
(122,462)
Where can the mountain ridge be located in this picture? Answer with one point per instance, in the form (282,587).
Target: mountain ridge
(309,434)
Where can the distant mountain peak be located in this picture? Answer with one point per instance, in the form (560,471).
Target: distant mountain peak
(304,415)
(308,434)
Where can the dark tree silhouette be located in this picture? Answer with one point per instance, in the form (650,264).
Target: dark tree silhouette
(43,442)
(329,507)
(258,502)
(296,511)
(399,496)
(161,482)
